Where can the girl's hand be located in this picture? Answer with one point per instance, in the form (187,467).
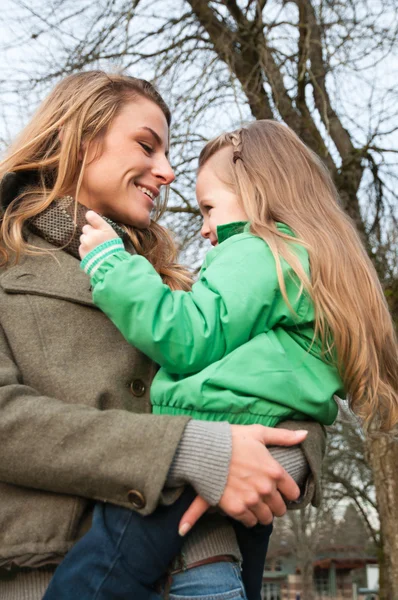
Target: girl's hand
(257,485)
(95,233)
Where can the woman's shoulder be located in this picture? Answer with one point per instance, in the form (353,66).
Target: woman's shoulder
(14,263)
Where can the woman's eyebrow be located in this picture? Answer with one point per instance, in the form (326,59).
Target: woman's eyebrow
(155,135)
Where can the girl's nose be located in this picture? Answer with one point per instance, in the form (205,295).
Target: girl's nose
(205,231)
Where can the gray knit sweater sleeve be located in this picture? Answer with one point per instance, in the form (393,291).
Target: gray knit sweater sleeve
(202,459)
(204,453)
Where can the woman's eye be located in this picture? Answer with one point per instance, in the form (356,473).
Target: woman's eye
(147,148)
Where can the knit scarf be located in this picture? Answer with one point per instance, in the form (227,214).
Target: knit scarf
(61,224)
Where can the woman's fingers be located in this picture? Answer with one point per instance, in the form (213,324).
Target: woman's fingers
(198,507)
(256,481)
(249,519)
(275,506)
(257,484)
(280,437)
(251,460)
(263,514)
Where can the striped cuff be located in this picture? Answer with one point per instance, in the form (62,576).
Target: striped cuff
(92,261)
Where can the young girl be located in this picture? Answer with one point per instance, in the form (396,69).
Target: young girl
(287,274)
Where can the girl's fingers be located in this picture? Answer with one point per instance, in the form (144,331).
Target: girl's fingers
(96,221)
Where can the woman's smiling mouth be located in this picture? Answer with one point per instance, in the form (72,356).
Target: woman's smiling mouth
(147,192)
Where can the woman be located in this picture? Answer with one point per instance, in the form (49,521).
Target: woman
(73,393)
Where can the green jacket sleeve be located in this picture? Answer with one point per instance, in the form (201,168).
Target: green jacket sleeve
(236,297)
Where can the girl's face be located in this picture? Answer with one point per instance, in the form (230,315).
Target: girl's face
(124,180)
(217,202)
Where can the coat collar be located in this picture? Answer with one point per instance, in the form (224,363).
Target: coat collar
(55,274)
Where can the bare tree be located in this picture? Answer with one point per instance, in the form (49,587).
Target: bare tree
(321,66)
(347,519)
(347,474)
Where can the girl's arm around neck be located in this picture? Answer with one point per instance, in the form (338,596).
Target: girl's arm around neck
(237,297)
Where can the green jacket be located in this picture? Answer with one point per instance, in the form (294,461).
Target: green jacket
(231,349)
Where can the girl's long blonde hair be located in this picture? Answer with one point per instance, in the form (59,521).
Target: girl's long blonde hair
(279,179)
(81,106)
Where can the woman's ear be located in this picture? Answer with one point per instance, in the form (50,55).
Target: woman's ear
(61,135)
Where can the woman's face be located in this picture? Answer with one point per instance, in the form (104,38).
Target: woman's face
(124,180)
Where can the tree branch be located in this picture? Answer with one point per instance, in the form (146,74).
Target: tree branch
(241,58)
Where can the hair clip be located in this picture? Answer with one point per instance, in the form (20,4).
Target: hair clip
(236,156)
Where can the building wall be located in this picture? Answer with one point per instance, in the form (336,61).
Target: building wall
(289,588)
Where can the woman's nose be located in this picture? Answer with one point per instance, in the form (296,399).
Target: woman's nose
(164,171)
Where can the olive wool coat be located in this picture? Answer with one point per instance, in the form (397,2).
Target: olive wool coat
(61,360)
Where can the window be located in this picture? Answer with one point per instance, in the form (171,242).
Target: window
(271,591)
(321,581)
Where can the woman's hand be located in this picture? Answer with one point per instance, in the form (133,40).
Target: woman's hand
(95,233)
(256,481)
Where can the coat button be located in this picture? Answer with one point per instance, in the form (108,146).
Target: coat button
(138,387)
(136,499)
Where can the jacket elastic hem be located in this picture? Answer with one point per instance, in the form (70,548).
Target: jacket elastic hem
(242,418)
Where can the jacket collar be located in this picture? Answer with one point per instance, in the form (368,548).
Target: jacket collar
(229,229)
(55,274)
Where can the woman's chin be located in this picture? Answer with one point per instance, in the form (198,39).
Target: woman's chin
(137,221)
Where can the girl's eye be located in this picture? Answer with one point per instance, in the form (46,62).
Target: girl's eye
(147,148)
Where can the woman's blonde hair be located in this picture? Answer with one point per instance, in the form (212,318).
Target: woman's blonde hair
(81,106)
(278,179)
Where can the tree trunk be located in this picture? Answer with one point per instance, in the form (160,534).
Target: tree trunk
(307,581)
(383,455)
(305,552)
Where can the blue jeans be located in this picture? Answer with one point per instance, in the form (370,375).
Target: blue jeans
(124,555)
(216,581)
